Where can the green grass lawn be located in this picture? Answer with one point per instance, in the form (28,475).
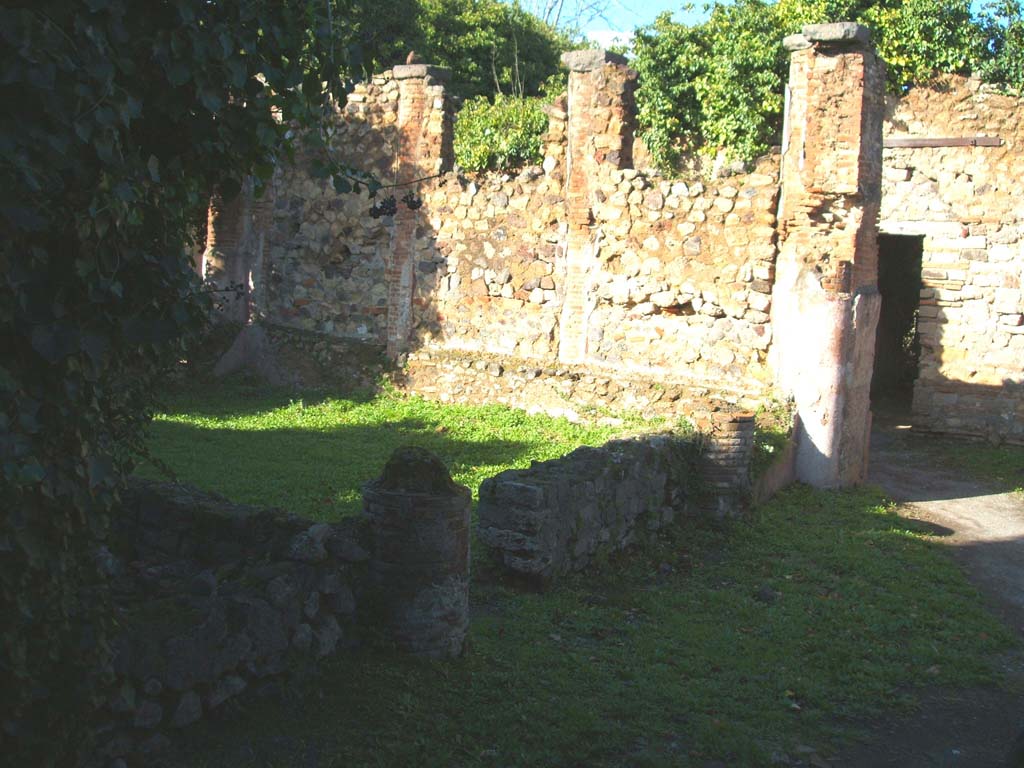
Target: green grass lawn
(310,454)
(712,644)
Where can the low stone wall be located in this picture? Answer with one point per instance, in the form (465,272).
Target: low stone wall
(215,599)
(558,515)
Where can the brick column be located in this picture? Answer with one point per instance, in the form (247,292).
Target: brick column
(826,301)
(725,465)
(601,115)
(424,149)
(225,261)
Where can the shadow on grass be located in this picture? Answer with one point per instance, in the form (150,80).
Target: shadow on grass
(957,467)
(316,472)
(729,645)
(310,452)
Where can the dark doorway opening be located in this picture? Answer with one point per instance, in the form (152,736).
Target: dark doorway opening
(897,348)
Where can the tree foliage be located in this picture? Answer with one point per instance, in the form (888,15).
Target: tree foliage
(1004,26)
(499,136)
(121,118)
(718,85)
(574,14)
(921,38)
(492,47)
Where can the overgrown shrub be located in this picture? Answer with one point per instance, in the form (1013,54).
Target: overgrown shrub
(718,85)
(921,38)
(502,135)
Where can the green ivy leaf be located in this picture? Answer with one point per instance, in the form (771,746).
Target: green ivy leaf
(52,343)
(179,73)
(211,99)
(31,472)
(125,192)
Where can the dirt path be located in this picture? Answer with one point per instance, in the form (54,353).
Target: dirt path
(985,529)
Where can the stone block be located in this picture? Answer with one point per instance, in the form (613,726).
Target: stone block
(590,59)
(413,71)
(149,715)
(302,638)
(846,33)
(327,637)
(224,689)
(188,710)
(308,546)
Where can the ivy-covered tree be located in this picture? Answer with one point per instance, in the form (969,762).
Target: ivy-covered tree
(718,85)
(120,119)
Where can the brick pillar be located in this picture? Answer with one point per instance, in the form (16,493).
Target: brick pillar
(826,301)
(725,464)
(424,149)
(601,115)
(225,262)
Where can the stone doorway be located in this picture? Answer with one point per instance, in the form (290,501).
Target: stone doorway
(897,345)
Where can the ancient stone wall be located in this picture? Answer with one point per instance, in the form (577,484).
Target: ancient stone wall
(623,275)
(214,600)
(559,515)
(326,263)
(967,203)
(682,278)
(590,277)
(331,267)
(499,280)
